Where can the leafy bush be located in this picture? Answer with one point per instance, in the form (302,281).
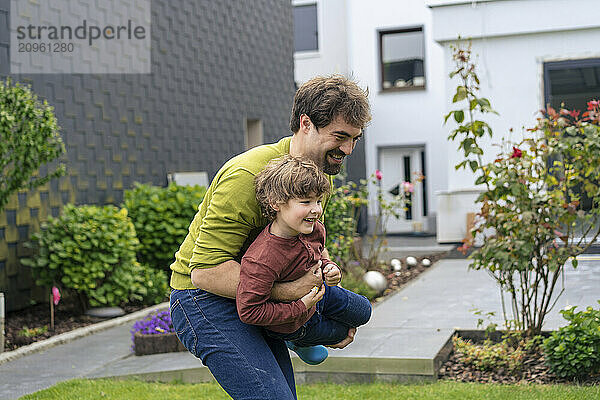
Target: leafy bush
(29,138)
(90,250)
(341,220)
(161,217)
(152,285)
(574,350)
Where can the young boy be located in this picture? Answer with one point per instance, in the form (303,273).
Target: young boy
(289,191)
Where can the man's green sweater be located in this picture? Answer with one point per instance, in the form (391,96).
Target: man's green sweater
(229,218)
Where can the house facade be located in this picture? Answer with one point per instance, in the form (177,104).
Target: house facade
(529,53)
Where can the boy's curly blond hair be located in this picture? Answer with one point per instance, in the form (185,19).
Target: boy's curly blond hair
(286,178)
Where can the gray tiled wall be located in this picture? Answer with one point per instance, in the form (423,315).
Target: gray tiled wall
(214,64)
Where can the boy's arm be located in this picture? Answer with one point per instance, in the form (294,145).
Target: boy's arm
(223,280)
(253,298)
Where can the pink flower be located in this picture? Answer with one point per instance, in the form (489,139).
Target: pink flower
(517,153)
(593,104)
(378,174)
(55,295)
(408,187)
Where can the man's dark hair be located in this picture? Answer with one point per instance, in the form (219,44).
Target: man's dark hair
(323,99)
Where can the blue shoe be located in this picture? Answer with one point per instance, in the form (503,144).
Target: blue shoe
(312,355)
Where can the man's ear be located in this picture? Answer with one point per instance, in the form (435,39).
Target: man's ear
(305,123)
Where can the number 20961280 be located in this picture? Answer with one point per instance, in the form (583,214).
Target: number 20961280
(58,47)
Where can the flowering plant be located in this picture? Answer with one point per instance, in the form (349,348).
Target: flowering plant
(154,324)
(390,207)
(540,200)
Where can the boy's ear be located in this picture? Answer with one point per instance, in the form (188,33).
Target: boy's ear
(274,206)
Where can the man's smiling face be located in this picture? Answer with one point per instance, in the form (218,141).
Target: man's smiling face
(328,146)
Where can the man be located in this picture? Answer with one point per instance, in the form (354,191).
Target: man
(327,120)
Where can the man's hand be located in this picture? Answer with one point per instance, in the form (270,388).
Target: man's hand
(294,290)
(313,297)
(332,274)
(349,339)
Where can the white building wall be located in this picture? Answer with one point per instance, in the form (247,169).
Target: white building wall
(511,41)
(511,38)
(332,56)
(511,73)
(405,117)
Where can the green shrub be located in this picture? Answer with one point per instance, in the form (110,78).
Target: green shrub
(90,251)
(152,284)
(341,219)
(574,350)
(161,217)
(29,138)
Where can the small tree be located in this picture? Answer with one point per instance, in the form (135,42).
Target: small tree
(29,138)
(530,218)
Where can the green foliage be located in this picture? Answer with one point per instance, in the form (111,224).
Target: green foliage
(574,350)
(90,250)
(161,217)
(151,284)
(33,332)
(530,216)
(341,219)
(508,354)
(29,138)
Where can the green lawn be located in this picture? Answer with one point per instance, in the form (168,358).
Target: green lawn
(82,389)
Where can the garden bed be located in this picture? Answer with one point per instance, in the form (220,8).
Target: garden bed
(32,324)
(36,319)
(534,368)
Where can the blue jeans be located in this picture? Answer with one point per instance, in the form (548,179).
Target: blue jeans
(338,311)
(245,361)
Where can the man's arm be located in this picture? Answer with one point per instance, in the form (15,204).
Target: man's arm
(223,280)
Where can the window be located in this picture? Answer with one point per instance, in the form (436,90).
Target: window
(254,133)
(402,55)
(572,82)
(306,33)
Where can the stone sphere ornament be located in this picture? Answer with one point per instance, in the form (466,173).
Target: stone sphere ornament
(376,280)
(426,262)
(411,261)
(396,264)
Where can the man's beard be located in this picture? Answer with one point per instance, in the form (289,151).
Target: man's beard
(331,169)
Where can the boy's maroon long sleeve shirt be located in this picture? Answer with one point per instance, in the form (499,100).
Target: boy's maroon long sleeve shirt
(271,259)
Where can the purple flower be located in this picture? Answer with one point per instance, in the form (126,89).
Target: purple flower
(154,324)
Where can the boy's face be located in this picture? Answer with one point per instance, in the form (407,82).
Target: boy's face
(297,216)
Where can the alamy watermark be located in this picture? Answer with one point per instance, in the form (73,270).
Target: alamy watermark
(84,36)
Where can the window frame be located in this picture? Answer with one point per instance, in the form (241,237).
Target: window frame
(380,34)
(310,53)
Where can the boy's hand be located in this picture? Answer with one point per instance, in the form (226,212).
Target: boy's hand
(313,297)
(332,274)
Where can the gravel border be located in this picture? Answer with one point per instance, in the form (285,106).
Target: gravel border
(78,333)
